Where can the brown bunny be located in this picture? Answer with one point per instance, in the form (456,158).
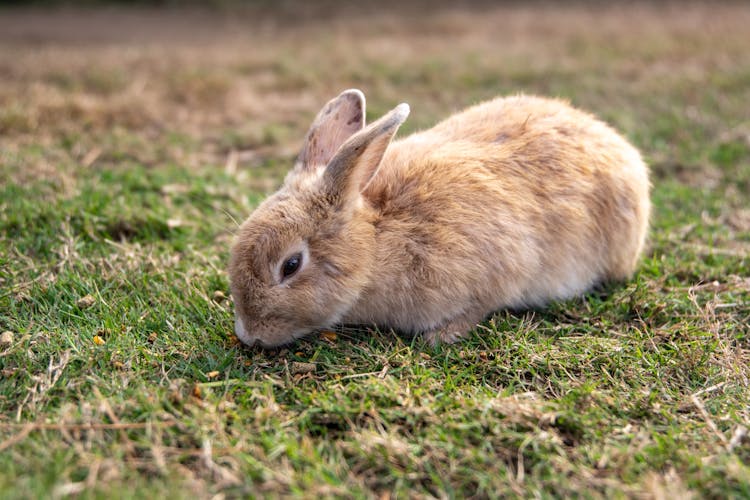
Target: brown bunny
(511,203)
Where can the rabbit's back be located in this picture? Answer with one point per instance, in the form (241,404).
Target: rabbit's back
(513,202)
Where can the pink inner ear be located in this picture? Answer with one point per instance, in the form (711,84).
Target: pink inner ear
(337,121)
(356,162)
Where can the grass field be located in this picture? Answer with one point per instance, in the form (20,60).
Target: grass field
(133,141)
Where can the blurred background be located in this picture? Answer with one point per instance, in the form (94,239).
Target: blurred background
(233,84)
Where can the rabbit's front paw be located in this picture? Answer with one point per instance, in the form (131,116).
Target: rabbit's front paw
(449,333)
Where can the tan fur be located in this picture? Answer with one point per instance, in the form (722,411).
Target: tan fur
(512,203)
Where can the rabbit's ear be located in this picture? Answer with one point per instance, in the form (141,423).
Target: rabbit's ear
(356,162)
(342,117)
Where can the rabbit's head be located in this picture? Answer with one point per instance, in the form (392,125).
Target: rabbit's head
(302,258)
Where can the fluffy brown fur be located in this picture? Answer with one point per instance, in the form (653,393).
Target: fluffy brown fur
(511,203)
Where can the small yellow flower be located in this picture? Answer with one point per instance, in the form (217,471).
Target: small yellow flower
(328,335)
(98,340)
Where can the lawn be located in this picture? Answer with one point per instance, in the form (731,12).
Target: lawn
(132,143)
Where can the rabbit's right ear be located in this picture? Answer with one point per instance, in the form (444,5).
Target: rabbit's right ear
(341,118)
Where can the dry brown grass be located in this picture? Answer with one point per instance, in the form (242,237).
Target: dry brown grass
(247,80)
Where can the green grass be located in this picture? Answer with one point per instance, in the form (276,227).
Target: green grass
(639,389)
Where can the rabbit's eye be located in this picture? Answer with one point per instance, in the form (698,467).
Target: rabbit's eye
(291,265)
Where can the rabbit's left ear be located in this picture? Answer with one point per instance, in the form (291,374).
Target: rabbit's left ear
(358,159)
(339,119)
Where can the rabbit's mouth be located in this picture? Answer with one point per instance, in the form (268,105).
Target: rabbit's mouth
(241,332)
(265,339)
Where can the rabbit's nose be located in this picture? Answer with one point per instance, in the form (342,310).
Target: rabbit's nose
(241,332)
